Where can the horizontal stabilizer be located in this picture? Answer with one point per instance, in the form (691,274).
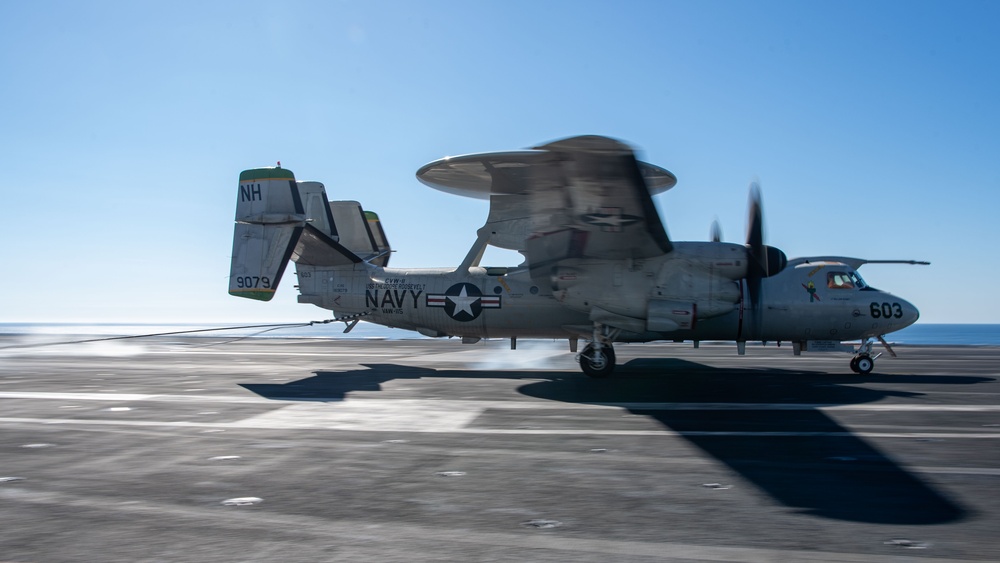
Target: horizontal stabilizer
(313,248)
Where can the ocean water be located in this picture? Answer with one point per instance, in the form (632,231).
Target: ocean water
(918,334)
(948,334)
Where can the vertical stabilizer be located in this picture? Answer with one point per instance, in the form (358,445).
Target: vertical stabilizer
(269,219)
(360,231)
(381,242)
(317,208)
(352,227)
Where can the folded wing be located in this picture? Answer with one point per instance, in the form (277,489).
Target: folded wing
(582,197)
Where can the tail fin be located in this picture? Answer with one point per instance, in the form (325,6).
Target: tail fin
(360,231)
(381,242)
(345,222)
(279,219)
(269,219)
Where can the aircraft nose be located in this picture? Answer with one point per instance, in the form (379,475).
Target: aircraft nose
(910,313)
(891,313)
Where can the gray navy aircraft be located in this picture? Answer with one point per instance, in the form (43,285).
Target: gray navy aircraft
(598,264)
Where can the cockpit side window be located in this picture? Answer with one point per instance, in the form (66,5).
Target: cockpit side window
(840,280)
(858,282)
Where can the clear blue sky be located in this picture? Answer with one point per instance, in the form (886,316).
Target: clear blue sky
(873,128)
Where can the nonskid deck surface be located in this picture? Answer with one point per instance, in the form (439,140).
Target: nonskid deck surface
(418,450)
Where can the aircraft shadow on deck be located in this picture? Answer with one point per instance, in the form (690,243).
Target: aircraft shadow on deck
(335,385)
(830,473)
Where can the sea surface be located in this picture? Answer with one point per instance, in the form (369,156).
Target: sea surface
(918,334)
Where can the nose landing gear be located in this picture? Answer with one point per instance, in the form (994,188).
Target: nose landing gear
(863,363)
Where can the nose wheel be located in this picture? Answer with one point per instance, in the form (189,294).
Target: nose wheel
(863,364)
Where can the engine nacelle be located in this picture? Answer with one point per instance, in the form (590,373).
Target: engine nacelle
(666,315)
(564,278)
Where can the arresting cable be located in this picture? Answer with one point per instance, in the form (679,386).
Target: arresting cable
(268,328)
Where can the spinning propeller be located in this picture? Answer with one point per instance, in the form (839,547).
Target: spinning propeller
(716,231)
(764,261)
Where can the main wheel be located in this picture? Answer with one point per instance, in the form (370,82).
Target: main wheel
(865,364)
(854,364)
(597,364)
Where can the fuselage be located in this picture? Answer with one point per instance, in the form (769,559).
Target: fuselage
(813,301)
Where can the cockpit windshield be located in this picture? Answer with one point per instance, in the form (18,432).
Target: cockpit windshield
(845,280)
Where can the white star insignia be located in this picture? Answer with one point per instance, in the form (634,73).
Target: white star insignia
(611,220)
(463,302)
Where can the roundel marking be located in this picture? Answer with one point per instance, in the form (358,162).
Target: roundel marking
(610,219)
(463,302)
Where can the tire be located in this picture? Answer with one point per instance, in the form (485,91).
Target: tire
(596,369)
(854,364)
(865,365)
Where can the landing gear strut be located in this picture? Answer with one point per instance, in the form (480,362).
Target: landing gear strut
(598,357)
(864,363)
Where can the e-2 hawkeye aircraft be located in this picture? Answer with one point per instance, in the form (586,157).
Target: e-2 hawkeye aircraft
(598,262)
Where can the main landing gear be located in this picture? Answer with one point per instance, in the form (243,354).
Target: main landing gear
(597,362)
(598,358)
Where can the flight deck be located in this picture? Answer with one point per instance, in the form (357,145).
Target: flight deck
(195,449)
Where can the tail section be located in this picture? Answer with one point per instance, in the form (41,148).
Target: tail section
(381,242)
(269,219)
(279,219)
(360,231)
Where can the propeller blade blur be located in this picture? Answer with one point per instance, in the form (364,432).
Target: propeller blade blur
(716,231)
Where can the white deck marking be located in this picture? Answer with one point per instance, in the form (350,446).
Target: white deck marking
(456,416)
(379,415)
(76,396)
(539,404)
(303,418)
